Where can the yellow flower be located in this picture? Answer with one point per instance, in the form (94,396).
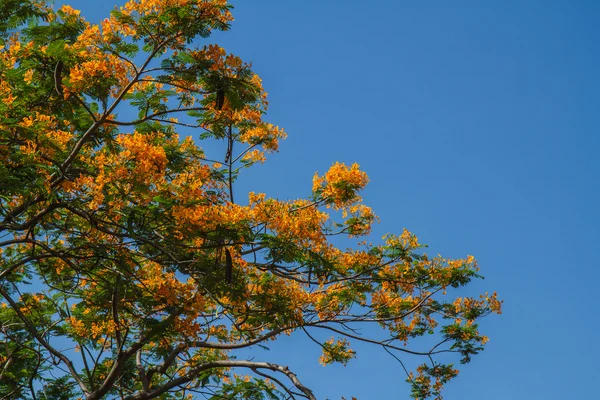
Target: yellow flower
(69,10)
(28,77)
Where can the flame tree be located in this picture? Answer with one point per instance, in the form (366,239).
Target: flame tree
(131,268)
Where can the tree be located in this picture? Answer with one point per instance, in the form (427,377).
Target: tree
(131,268)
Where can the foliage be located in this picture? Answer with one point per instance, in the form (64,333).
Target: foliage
(127,268)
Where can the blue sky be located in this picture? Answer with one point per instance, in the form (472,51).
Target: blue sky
(477,123)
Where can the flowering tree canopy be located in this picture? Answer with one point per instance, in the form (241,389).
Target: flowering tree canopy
(131,268)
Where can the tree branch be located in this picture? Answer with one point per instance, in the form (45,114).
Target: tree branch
(225,364)
(31,329)
(152,116)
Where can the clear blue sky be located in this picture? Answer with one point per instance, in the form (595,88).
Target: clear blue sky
(478,123)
